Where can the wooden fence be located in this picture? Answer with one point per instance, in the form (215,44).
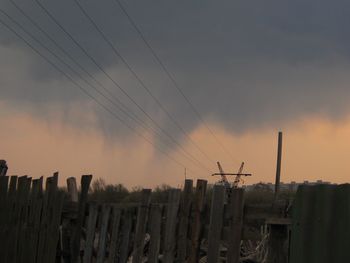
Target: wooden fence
(50,225)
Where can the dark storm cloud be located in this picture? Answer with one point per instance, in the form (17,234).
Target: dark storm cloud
(244,64)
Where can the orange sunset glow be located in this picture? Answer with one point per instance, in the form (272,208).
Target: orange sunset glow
(40,147)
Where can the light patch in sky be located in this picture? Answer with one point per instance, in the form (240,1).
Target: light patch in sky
(36,147)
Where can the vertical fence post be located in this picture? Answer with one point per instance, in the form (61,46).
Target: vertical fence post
(23,230)
(75,248)
(216,221)
(116,213)
(72,189)
(3,214)
(170,225)
(141,226)
(125,239)
(11,208)
(66,226)
(155,227)
(90,233)
(278,237)
(185,210)
(236,225)
(101,254)
(35,213)
(196,225)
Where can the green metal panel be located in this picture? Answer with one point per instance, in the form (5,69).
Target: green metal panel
(321,224)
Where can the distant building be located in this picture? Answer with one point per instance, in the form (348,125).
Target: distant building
(292,186)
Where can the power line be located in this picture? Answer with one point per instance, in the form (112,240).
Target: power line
(76,62)
(49,14)
(89,94)
(139,121)
(143,85)
(171,77)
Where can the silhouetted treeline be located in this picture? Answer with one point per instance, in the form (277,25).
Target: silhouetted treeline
(100,191)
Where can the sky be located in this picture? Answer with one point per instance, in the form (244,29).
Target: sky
(248,68)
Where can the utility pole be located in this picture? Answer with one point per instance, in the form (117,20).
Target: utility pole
(278,167)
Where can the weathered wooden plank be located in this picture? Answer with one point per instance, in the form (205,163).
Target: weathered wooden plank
(101,254)
(170,225)
(155,228)
(13,186)
(16,220)
(46,215)
(90,234)
(141,226)
(116,213)
(34,219)
(54,225)
(248,233)
(184,214)
(23,223)
(10,217)
(3,211)
(68,213)
(216,221)
(263,211)
(75,249)
(53,207)
(278,236)
(3,191)
(72,189)
(236,224)
(196,225)
(124,244)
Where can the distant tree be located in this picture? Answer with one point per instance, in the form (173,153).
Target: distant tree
(160,193)
(134,195)
(261,193)
(98,185)
(110,193)
(262,187)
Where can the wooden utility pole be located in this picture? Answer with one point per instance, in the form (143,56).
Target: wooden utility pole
(278,168)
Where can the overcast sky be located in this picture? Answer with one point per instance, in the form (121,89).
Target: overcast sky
(248,67)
